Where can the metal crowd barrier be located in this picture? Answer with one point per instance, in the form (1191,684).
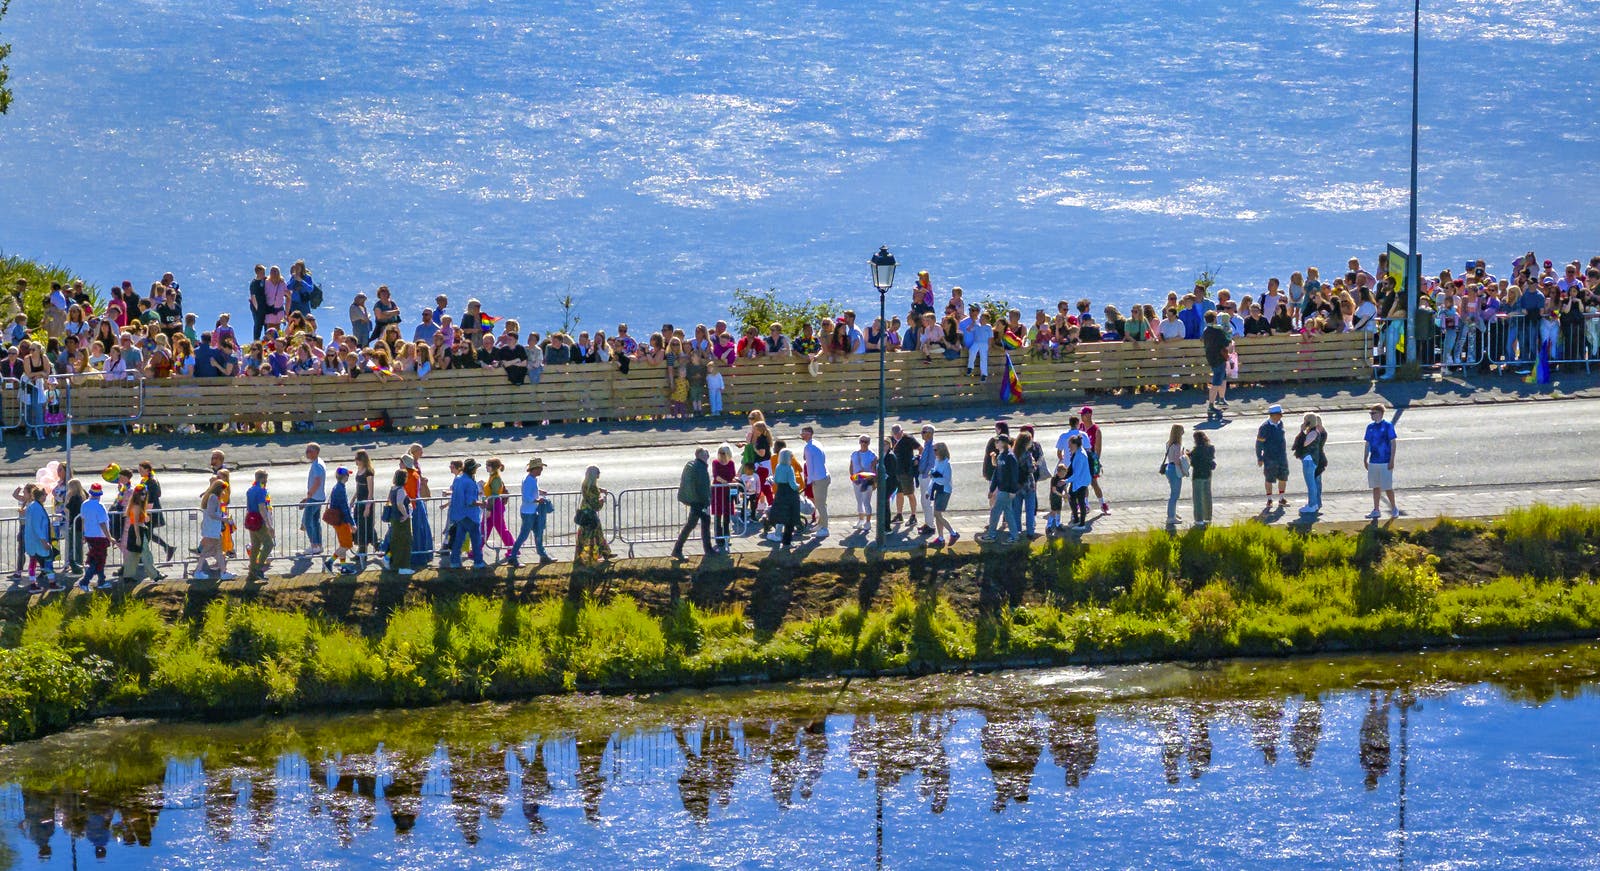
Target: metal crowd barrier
(653,515)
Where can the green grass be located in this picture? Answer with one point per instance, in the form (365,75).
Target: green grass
(1240,590)
(39,276)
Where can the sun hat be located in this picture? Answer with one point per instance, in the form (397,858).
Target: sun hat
(1274,409)
(535,464)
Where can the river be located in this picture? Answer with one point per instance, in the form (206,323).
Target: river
(649,156)
(1480,758)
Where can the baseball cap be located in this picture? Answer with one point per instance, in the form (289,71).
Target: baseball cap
(1087,409)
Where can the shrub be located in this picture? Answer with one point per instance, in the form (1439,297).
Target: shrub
(1151,594)
(1210,613)
(761,309)
(1536,536)
(126,635)
(42,689)
(1405,580)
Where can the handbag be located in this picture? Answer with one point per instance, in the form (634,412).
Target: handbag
(331,516)
(1183,465)
(586,518)
(545,506)
(390,513)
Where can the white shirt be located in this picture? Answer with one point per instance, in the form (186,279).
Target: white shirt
(858,342)
(317,481)
(862,462)
(530,494)
(1062,446)
(816,463)
(1172,329)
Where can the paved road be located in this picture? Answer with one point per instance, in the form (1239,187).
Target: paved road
(1517,445)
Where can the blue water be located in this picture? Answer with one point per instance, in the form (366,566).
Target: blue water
(651,156)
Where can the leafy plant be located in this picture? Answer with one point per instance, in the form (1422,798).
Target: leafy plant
(761,309)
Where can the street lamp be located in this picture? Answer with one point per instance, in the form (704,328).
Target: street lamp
(1414,266)
(882,278)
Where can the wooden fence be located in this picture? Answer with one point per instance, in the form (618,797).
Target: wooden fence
(589,392)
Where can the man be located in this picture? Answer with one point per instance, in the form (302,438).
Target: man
(905,464)
(858,342)
(55,311)
(925,464)
(1002,430)
(694,492)
(1092,446)
(427,329)
(816,469)
(535,508)
(466,516)
(1272,454)
(258,521)
(316,498)
(1218,343)
(259,308)
(96,537)
(1377,455)
(751,345)
(1003,488)
(777,342)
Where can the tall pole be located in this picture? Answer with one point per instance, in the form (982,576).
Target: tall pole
(1414,268)
(883,413)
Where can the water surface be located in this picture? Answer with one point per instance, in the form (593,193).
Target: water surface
(1477,759)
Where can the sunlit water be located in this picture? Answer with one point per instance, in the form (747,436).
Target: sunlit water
(1477,759)
(651,156)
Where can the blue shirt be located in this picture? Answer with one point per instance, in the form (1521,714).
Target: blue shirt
(424,332)
(255,499)
(203,355)
(926,461)
(1380,441)
(36,529)
(1193,321)
(464,493)
(1078,470)
(530,494)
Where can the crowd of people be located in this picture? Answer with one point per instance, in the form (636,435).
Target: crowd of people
(151,334)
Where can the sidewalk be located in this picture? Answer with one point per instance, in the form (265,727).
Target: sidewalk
(178,453)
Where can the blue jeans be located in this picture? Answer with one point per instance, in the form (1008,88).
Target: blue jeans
(470,529)
(1313,482)
(1175,482)
(311,522)
(1005,507)
(1391,336)
(1028,506)
(534,524)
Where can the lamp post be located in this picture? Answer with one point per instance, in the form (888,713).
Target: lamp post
(1414,267)
(882,278)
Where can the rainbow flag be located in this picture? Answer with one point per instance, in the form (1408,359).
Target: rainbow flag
(1010,384)
(1010,341)
(489,320)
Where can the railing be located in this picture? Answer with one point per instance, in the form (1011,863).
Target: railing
(1505,341)
(653,515)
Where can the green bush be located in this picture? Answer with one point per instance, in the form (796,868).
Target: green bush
(39,276)
(1405,580)
(1535,537)
(43,688)
(1210,613)
(761,309)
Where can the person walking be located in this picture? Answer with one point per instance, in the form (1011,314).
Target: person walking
(421,525)
(1003,485)
(316,497)
(1096,457)
(1030,468)
(366,507)
(138,561)
(1308,448)
(1202,462)
(1272,454)
(943,485)
(1377,455)
(591,547)
(863,477)
(786,497)
(340,516)
(96,538)
(1079,479)
(158,519)
(815,463)
(694,493)
(724,481)
(213,563)
(397,509)
(36,541)
(494,497)
(466,516)
(1218,344)
(1174,464)
(258,522)
(535,509)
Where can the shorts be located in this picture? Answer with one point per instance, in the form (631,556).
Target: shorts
(1219,375)
(1275,472)
(346,535)
(941,500)
(1055,501)
(908,483)
(1380,476)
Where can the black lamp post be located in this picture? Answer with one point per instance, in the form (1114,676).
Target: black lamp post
(882,278)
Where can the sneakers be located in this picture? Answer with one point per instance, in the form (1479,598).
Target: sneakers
(227,576)
(924,530)
(203,576)
(1105,507)
(1395,512)
(823,532)
(774,535)
(105,585)
(938,542)
(897,520)
(1374,514)
(953,536)
(405,572)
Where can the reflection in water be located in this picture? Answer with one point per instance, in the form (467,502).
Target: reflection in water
(249,793)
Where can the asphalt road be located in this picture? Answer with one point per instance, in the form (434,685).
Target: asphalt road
(1509,444)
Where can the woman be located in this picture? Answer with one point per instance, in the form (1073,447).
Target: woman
(138,561)
(1030,468)
(421,527)
(1171,327)
(724,477)
(863,478)
(397,511)
(277,291)
(941,481)
(591,547)
(76,324)
(931,338)
(366,534)
(213,562)
(183,355)
(838,343)
(73,508)
(759,443)
(1202,462)
(1172,465)
(494,494)
(786,498)
(1308,448)
(1138,328)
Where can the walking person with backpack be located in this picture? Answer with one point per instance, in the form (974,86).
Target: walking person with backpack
(694,493)
(258,522)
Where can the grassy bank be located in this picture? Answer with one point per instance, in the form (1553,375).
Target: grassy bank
(1248,589)
(39,276)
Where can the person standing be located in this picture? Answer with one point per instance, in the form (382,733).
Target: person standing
(1095,457)
(421,526)
(943,486)
(213,517)
(397,511)
(694,492)
(535,508)
(96,538)
(1308,448)
(466,516)
(1377,455)
(815,463)
(1003,485)
(316,497)
(906,462)
(1078,481)
(258,522)
(1030,468)
(724,483)
(863,475)
(1272,454)
(1218,343)
(591,547)
(258,304)
(991,450)
(366,507)
(36,541)
(785,498)
(925,463)
(1172,466)
(1202,462)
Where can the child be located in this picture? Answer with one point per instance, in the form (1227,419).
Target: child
(697,373)
(343,521)
(751,503)
(714,385)
(678,392)
(1450,326)
(1058,494)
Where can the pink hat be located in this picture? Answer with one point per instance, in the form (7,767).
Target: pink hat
(1086,410)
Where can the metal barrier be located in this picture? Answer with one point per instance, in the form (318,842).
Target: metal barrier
(653,515)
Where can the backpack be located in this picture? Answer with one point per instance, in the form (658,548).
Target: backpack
(314,300)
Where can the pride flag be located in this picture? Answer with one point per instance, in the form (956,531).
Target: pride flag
(1010,341)
(1010,384)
